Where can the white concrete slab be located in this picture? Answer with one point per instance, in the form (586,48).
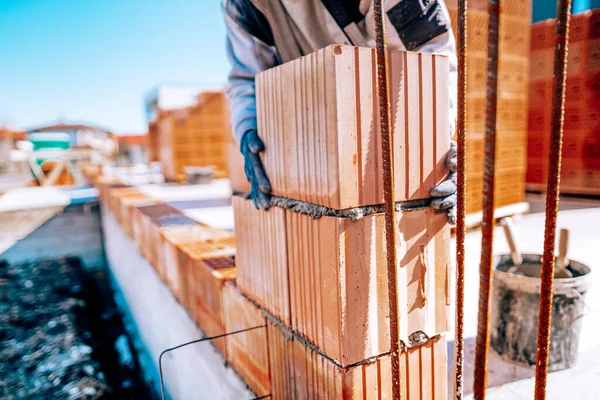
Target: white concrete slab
(194,372)
(33,197)
(218,188)
(511,382)
(217,217)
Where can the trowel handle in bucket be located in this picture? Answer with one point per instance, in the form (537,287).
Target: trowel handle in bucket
(511,239)
(563,247)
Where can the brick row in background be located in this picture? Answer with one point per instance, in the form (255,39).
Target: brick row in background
(581,131)
(196,263)
(513,93)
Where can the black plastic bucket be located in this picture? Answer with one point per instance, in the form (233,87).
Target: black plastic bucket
(515,310)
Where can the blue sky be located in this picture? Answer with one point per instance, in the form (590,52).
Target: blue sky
(94,60)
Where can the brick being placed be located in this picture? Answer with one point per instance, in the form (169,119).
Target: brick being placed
(205,281)
(174,261)
(248,351)
(336,272)
(317,116)
(300,372)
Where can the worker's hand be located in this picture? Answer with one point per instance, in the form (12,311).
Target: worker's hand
(260,191)
(445,193)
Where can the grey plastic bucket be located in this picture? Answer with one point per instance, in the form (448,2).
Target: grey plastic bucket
(515,309)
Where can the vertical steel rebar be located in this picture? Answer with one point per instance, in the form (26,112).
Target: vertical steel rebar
(461,127)
(487,224)
(563,13)
(388,191)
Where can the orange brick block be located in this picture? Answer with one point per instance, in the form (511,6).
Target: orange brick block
(248,351)
(237,176)
(115,196)
(206,280)
(151,219)
(509,188)
(318,118)
(194,136)
(298,372)
(338,279)
(173,261)
(127,206)
(262,257)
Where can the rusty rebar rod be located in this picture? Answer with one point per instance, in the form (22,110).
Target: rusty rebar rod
(388,192)
(487,224)
(563,13)
(461,127)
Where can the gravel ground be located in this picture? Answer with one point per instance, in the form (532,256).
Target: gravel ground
(48,348)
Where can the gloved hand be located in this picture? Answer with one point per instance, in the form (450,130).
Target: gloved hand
(260,191)
(445,192)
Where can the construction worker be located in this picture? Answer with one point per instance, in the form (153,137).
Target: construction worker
(262,34)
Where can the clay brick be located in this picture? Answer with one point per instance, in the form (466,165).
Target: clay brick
(513,75)
(579,27)
(205,281)
(338,281)
(541,65)
(577,59)
(114,200)
(128,205)
(543,34)
(298,372)
(194,136)
(540,93)
(173,261)
(247,351)
(262,257)
(106,183)
(235,163)
(337,276)
(512,115)
(326,104)
(152,218)
(509,189)
(515,36)
(537,170)
(511,155)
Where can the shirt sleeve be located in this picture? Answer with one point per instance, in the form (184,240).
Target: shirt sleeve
(248,56)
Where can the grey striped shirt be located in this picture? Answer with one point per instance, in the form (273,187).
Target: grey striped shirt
(262,34)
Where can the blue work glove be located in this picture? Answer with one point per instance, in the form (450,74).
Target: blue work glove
(445,193)
(260,187)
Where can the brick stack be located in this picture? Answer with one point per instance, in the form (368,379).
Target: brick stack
(513,83)
(195,136)
(196,263)
(324,281)
(581,135)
